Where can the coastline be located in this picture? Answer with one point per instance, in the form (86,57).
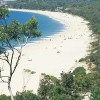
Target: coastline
(60,52)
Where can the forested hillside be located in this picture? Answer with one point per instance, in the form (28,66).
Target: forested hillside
(44,4)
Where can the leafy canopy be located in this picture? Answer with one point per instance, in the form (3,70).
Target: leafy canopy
(15,31)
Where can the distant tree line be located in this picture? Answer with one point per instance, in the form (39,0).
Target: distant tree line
(43,4)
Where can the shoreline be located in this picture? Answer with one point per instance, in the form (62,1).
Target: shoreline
(60,52)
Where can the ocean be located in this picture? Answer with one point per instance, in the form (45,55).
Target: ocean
(47,26)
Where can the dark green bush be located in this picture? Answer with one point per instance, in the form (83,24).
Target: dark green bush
(79,70)
(95,95)
(26,95)
(4,97)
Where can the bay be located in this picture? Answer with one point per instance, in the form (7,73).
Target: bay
(47,25)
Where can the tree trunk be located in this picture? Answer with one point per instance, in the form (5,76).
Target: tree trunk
(10,91)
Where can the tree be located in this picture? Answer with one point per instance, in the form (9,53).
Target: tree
(13,34)
(47,83)
(67,79)
(79,71)
(26,95)
(95,95)
(4,97)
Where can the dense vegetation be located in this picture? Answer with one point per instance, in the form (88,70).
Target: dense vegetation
(45,4)
(73,85)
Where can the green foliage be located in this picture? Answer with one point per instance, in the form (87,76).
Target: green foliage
(15,31)
(54,89)
(43,4)
(46,84)
(4,97)
(95,95)
(68,87)
(3,13)
(67,79)
(81,84)
(93,79)
(57,93)
(26,95)
(79,71)
(30,28)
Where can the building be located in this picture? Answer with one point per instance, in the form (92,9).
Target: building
(59,9)
(2,3)
(9,0)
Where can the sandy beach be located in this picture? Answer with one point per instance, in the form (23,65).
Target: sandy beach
(52,55)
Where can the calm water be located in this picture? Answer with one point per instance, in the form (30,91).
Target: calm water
(47,25)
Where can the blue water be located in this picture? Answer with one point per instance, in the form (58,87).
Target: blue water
(47,25)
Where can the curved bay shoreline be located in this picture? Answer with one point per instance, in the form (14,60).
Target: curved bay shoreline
(52,55)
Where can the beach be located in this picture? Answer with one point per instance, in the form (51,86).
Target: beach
(52,55)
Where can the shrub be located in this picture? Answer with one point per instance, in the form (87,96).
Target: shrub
(4,97)
(79,70)
(26,95)
(95,95)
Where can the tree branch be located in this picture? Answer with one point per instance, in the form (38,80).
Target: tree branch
(10,63)
(12,56)
(3,59)
(4,80)
(6,58)
(17,62)
(9,45)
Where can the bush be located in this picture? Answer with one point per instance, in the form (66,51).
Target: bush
(26,95)
(79,71)
(95,95)
(4,97)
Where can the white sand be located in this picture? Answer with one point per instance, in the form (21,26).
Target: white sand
(53,55)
